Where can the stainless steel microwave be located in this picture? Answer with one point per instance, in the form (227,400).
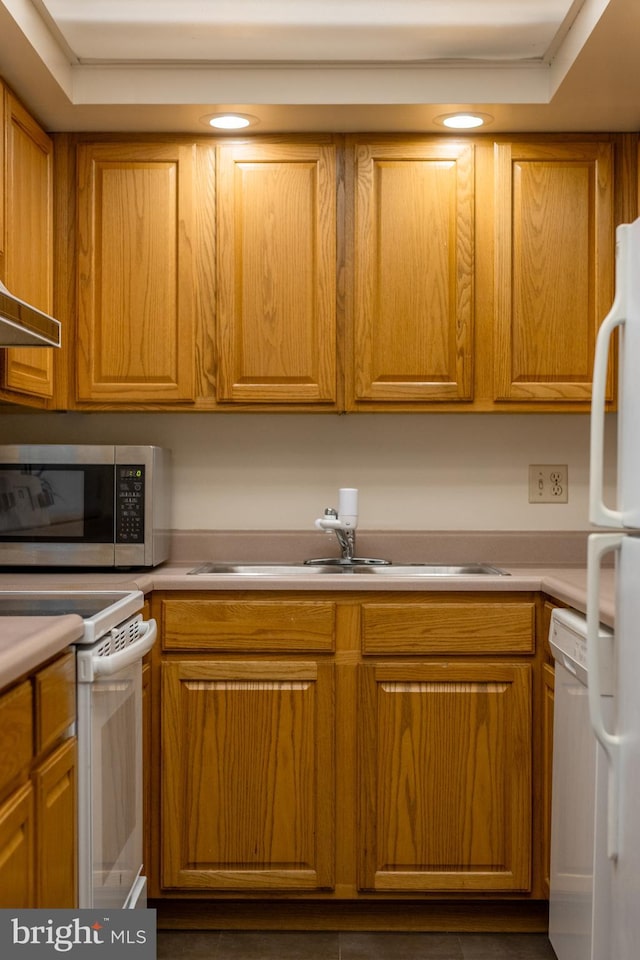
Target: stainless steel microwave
(67,505)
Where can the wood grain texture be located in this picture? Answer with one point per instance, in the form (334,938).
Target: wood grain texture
(28,270)
(413,271)
(447,627)
(55,784)
(248,625)
(277,273)
(445,757)
(17,878)
(434,759)
(554,247)
(16,735)
(3,173)
(248,775)
(55,701)
(136,282)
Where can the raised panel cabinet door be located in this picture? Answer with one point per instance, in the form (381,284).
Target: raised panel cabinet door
(55,783)
(554,267)
(247,775)
(28,242)
(17,880)
(413,272)
(445,767)
(277,273)
(136,274)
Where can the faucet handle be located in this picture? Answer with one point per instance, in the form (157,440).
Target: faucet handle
(328,521)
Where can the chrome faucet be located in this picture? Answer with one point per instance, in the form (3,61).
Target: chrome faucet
(343,522)
(346,536)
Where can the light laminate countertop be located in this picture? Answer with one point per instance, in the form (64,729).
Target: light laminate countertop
(25,642)
(28,642)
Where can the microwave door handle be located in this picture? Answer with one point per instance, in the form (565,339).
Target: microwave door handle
(106,666)
(598,545)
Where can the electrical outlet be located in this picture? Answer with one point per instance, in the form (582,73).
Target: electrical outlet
(548,483)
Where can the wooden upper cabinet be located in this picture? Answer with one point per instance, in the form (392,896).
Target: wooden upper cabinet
(28,241)
(277,273)
(554,267)
(136,295)
(413,271)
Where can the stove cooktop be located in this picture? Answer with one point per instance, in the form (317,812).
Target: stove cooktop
(100,609)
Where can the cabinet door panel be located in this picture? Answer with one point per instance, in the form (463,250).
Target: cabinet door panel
(56,814)
(17,880)
(29,242)
(554,247)
(136,288)
(413,287)
(445,755)
(248,775)
(277,273)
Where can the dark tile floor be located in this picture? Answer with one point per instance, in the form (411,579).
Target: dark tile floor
(326,945)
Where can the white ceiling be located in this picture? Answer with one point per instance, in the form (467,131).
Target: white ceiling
(319,30)
(161,65)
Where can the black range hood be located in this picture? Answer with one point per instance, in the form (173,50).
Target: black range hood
(24,326)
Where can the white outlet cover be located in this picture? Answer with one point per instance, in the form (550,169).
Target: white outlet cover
(548,483)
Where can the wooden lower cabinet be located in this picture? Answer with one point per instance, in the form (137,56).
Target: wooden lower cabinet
(445,777)
(38,803)
(295,756)
(17,876)
(55,783)
(248,775)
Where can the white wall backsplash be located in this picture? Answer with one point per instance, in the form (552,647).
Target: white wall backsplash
(414,472)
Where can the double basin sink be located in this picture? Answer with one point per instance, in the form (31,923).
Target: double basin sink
(357,568)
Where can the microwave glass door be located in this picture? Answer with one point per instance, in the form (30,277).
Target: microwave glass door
(56,503)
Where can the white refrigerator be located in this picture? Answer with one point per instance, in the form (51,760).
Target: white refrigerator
(619,734)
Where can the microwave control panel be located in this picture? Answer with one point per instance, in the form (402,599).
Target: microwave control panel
(129,503)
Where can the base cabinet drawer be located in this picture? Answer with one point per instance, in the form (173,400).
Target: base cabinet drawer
(16,735)
(439,627)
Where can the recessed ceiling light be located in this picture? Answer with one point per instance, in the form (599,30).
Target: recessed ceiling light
(230,121)
(463,121)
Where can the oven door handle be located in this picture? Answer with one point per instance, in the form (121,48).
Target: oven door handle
(106,666)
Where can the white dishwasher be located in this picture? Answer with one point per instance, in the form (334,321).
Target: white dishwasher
(579,897)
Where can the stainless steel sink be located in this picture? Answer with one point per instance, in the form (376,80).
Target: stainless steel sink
(262,569)
(434,570)
(377,570)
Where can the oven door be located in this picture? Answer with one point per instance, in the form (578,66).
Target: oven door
(110,776)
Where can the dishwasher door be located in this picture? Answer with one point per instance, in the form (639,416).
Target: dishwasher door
(579,899)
